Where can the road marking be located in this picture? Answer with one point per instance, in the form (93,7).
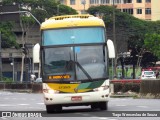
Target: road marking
(4,118)
(40,103)
(23,104)
(83,114)
(103,118)
(21,93)
(121,105)
(4,105)
(112,119)
(142,106)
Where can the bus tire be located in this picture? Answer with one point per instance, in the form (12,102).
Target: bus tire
(49,108)
(103,105)
(94,106)
(53,108)
(57,108)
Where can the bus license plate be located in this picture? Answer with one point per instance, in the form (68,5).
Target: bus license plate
(76,98)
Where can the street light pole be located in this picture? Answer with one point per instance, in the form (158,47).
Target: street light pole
(114,39)
(0,57)
(84,3)
(13,69)
(57,9)
(3,13)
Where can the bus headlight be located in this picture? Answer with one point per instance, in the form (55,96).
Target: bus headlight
(50,91)
(105,87)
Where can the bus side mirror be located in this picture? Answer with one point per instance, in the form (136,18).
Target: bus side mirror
(111,49)
(36,53)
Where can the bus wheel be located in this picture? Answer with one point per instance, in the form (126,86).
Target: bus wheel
(49,108)
(103,105)
(53,108)
(57,108)
(94,106)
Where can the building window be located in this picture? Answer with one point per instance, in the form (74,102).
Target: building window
(62,1)
(148,11)
(95,1)
(72,2)
(129,11)
(117,1)
(148,1)
(139,11)
(139,1)
(127,1)
(104,1)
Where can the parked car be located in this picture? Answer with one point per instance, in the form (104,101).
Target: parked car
(148,75)
(38,80)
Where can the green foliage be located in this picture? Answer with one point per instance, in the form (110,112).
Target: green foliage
(41,9)
(152,43)
(136,30)
(7,80)
(105,12)
(8,37)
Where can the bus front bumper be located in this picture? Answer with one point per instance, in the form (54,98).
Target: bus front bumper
(76,98)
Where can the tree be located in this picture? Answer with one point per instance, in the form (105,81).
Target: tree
(41,9)
(8,36)
(133,29)
(148,59)
(152,43)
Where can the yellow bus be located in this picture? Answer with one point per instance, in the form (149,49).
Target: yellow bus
(74,62)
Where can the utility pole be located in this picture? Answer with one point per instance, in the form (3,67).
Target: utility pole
(0,57)
(114,40)
(57,9)
(84,3)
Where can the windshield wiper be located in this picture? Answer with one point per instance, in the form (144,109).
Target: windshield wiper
(69,66)
(84,71)
(80,66)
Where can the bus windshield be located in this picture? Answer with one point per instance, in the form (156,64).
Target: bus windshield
(79,63)
(73,36)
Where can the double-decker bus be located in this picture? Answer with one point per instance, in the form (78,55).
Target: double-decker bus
(74,62)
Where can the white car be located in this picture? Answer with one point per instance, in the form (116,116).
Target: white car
(38,80)
(148,75)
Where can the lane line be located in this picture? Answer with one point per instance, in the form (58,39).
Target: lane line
(40,103)
(23,104)
(103,118)
(5,105)
(121,105)
(142,106)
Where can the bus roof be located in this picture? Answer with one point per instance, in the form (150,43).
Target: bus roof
(68,21)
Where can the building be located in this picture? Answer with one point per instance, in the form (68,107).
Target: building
(12,58)
(142,9)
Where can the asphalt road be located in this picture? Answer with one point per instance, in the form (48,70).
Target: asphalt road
(25,104)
